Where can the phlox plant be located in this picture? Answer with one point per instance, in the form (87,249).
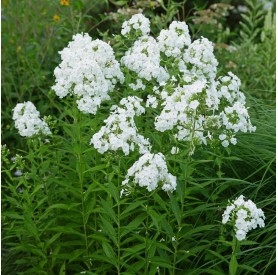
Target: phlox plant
(123,178)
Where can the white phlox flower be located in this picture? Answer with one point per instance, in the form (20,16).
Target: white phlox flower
(205,110)
(175,150)
(228,88)
(151,101)
(150,171)
(180,111)
(119,131)
(143,58)
(236,118)
(174,40)
(137,23)
(27,120)
(243,216)
(138,86)
(199,59)
(88,71)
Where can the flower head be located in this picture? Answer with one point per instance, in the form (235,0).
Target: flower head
(150,171)
(119,131)
(89,71)
(64,2)
(56,18)
(27,120)
(243,216)
(137,24)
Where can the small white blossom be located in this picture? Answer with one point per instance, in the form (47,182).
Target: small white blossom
(18,173)
(150,171)
(174,40)
(244,216)
(200,57)
(175,150)
(138,22)
(138,86)
(143,58)
(27,120)
(119,131)
(151,101)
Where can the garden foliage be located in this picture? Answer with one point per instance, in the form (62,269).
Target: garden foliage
(145,153)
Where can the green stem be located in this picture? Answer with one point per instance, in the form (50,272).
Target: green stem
(233,262)
(119,226)
(80,168)
(146,239)
(119,239)
(175,259)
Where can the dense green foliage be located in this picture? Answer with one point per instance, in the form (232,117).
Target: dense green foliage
(65,214)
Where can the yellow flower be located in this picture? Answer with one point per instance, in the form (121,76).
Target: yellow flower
(64,2)
(18,49)
(56,17)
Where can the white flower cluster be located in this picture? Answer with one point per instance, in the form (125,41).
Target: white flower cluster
(205,111)
(27,120)
(179,106)
(181,75)
(151,171)
(89,71)
(199,59)
(138,22)
(151,101)
(143,58)
(138,86)
(120,131)
(244,216)
(173,41)
(200,108)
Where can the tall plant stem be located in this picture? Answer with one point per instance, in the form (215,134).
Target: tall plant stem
(146,239)
(119,239)
(80,171)
(233,262)
(119,226)
(175,258)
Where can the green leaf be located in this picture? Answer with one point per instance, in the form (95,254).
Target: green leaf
(156,218)
(109,252)
(132,206)
(233,265)
(108,228)
(119,3)
(76,254)
(113,191)
(211,271)
(96,168)
(247,243)
(52,239)
(133,224)
(65,206)
(66,230)
(197,230)
(13,216)
(92,188)
(167,227)
(175,208)
(247,267)
(63,269)
(136,248)
(218,255)
(161,262)
(160,201)
(108,209)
